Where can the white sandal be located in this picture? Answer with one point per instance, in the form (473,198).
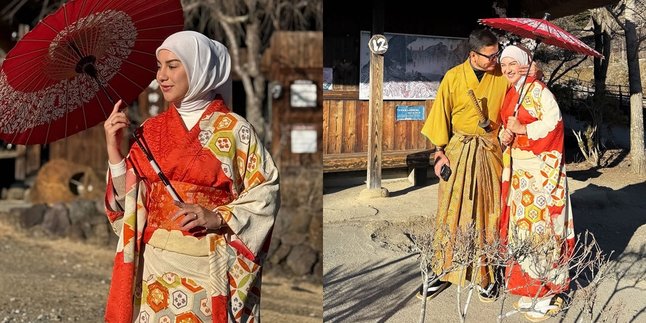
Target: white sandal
(546,312)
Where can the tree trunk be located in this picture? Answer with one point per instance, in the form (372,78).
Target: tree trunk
(602,42)
(254,106)
(637,154)
(247,67)
(256,88)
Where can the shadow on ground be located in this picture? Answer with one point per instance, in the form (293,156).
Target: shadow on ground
(616,218)
(612,216)
(362,296)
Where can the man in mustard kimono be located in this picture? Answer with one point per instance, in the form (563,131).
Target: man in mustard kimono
(469,201)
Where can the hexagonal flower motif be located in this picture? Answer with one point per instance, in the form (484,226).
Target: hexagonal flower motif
(514,182)
(517,195)
(528,198)
(224,122)
(252,163)
(223,144)
(191,285)
(204,136)
(539,228)
(157,297)
(533,213)
(226,168)
(165,319)
(520,212)
(170,279)
(144,317)
(205,306)
(245,134)
(187,317)
(179,299)
(524,224)
(540,201)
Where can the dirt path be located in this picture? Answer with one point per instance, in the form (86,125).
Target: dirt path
(376,279)
(61,280)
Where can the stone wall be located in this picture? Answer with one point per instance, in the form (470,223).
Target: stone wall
(296,248)
(297,242)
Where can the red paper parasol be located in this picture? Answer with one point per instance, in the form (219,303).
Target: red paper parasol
(543,31)
(63,76)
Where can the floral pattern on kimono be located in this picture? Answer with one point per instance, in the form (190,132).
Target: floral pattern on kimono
(536,205)
(221,165)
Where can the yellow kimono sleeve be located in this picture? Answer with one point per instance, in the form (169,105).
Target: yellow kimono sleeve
(437,127)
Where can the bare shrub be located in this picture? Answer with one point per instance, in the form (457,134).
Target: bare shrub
(584,264)
(588,144)
(442,251)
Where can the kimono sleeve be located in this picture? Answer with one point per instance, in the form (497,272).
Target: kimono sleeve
(438,123)
(251,215)
(118,191)
(549,119)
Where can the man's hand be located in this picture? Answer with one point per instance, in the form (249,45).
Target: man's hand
(440,159)
(534,71)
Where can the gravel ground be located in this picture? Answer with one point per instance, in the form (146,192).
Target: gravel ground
(44,280)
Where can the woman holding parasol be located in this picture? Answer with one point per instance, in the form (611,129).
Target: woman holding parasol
(536,222)
(200,259)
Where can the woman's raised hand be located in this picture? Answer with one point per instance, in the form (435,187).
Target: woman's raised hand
(113,126)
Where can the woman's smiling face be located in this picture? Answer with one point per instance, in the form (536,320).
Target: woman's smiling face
(171,76)
(509,67)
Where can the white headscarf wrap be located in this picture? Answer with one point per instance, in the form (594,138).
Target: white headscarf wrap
(208,65)
(521,55)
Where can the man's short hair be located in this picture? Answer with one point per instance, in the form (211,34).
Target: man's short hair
(480,38)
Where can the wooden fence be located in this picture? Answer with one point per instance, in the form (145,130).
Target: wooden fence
(345,134)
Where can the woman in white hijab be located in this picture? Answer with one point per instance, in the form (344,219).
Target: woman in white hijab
(200,259)
(536,206)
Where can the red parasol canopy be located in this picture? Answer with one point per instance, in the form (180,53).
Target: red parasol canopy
(61,77)
(542,31)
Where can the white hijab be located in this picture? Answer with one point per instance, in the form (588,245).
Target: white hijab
(208,65)
(519,54)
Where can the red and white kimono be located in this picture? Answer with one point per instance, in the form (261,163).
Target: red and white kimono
(163,274)
(536,203)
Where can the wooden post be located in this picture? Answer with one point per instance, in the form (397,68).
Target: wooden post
(378,45)
(20,163)
(375,120)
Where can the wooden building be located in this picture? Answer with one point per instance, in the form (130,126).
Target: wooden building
(345,114)
(295,63)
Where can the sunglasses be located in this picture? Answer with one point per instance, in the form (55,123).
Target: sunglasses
(489,57)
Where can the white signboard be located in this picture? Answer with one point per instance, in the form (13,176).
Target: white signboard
(303,94)
(303,139)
